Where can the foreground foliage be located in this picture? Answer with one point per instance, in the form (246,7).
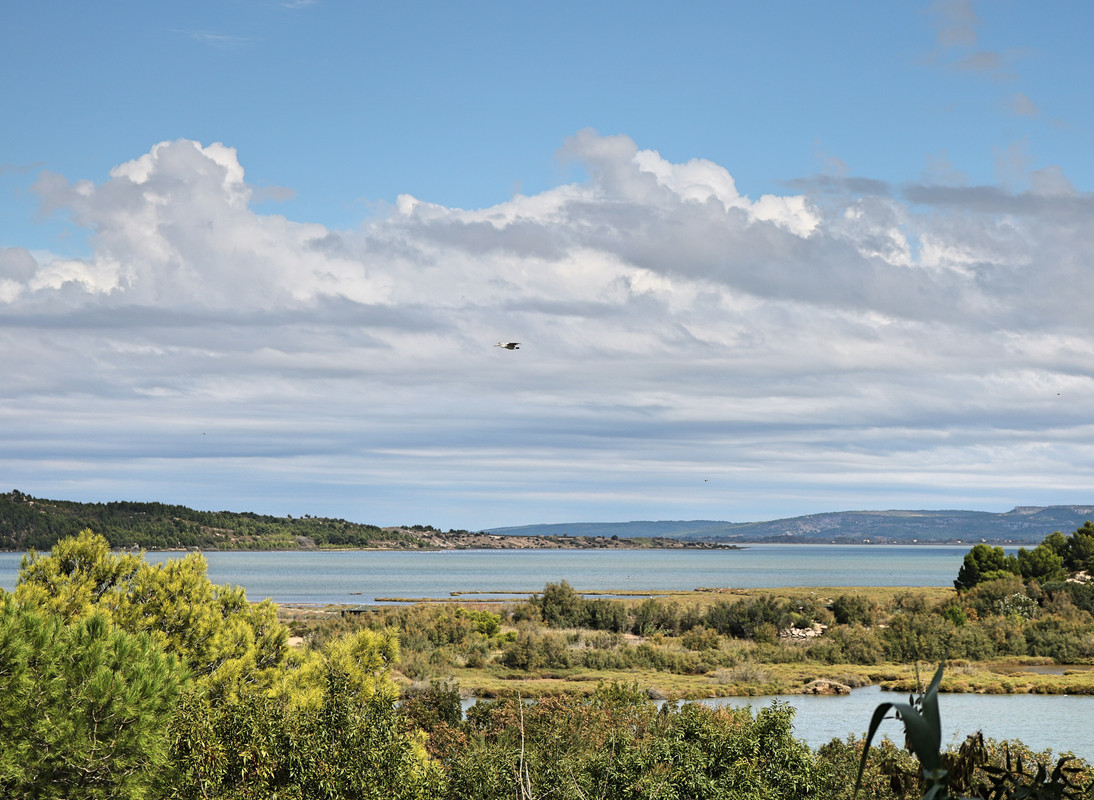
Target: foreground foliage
(122,679)
(83,704)
(349,745)
(617,744)
(969,772)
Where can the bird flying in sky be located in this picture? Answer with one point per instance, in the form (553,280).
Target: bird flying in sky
(509,345)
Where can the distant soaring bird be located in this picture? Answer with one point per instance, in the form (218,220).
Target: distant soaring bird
(509,345)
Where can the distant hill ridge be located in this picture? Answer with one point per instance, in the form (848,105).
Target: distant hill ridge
(29,522)
(1021,525)
(33,523)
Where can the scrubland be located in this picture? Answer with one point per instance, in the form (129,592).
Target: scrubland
(1003,636)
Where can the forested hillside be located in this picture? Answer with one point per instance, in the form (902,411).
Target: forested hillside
(33,523)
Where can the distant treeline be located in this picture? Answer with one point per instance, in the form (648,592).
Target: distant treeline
(32,523)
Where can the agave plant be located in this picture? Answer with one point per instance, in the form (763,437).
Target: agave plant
(1016,783)
(923,737)
(923,734)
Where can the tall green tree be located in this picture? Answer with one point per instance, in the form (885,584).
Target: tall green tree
(77,575)
(984,563)
(1041,564)
(1080,549)
(85,707)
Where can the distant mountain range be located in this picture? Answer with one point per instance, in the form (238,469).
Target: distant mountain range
(1021,525)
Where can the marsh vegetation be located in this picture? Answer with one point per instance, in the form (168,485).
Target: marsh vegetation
(710,643)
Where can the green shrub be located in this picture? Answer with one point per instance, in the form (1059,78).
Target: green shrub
(853,610)
(974,642)
(655,616)
(437,704)
(532,650)
(954,613)
(848,644)
(606,615)
(743,618)
(617,745)
(701,639)
(255,748)
(921,636)
(485,622)
(1063,640)
(560,606)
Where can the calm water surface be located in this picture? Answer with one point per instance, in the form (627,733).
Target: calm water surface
(364,576)
(1060,723)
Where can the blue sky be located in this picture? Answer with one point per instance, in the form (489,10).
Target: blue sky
(763,259)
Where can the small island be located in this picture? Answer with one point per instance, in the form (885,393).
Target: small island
(466,540)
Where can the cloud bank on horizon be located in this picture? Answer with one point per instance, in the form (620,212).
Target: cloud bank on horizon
(687,350)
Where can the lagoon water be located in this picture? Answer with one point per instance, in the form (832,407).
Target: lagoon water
(1060,723)
(365,576)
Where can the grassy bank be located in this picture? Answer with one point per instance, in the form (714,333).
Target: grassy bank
(1003,637)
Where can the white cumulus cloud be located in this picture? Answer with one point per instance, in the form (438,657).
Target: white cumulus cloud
(669,324)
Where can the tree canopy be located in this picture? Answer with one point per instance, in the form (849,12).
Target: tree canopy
(85,704)
(124,679)
(1052,560)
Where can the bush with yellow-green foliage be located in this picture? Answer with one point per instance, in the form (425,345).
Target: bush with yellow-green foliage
(134,680)
(346,742)
(225,641)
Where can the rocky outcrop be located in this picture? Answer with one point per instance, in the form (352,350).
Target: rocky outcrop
(804,633)
(821,686)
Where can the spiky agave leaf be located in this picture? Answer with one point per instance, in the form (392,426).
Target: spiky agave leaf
(923,730)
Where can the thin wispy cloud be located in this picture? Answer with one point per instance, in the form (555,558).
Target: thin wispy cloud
(1020,105)
(957,41)
(20,169)
(220,41)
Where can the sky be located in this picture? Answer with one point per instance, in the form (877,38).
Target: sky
(762,259)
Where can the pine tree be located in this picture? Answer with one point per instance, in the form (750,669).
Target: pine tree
(85,708)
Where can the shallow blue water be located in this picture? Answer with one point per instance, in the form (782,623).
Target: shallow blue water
(1060,723)
(363,576)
